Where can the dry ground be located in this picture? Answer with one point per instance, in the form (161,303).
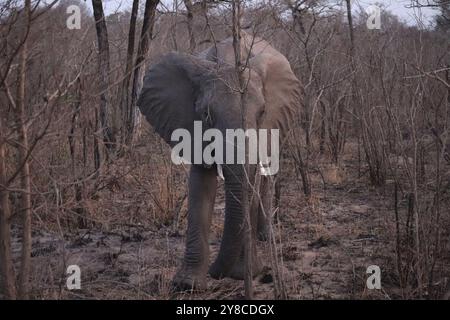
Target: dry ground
(325,243)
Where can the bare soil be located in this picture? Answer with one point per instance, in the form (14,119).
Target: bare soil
(325,245)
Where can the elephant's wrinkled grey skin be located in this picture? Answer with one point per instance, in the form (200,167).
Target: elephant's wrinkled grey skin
(181,89)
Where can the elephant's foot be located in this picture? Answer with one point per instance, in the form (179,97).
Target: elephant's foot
(237,272)
(189,280)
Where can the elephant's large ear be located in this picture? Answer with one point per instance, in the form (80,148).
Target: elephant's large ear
(282,89)
(170,91)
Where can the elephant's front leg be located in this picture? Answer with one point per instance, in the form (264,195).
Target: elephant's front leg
(202,192)
(230,260)
(238,270)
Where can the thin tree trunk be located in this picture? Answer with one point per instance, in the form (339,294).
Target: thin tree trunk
(144,44)
(322,129)
(7,274)
(97,156)
(25,180)
(106,113)
(190,20)
(78,182)
(128,122)
(350,26)
(248,241)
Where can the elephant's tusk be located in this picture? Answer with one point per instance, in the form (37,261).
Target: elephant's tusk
(265,171)
(220,172)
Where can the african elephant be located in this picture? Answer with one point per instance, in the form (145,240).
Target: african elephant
(181,89)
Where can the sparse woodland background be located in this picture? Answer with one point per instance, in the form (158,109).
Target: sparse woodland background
(79,167)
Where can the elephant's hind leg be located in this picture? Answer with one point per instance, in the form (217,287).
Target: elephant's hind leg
(202,192)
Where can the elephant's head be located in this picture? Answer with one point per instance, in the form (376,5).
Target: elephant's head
(181,89)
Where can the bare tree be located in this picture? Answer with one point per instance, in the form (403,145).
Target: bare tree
(7,274)
(190,20)
(236,8)
(144,44)
(106,113)
(23,163)
(127,108)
